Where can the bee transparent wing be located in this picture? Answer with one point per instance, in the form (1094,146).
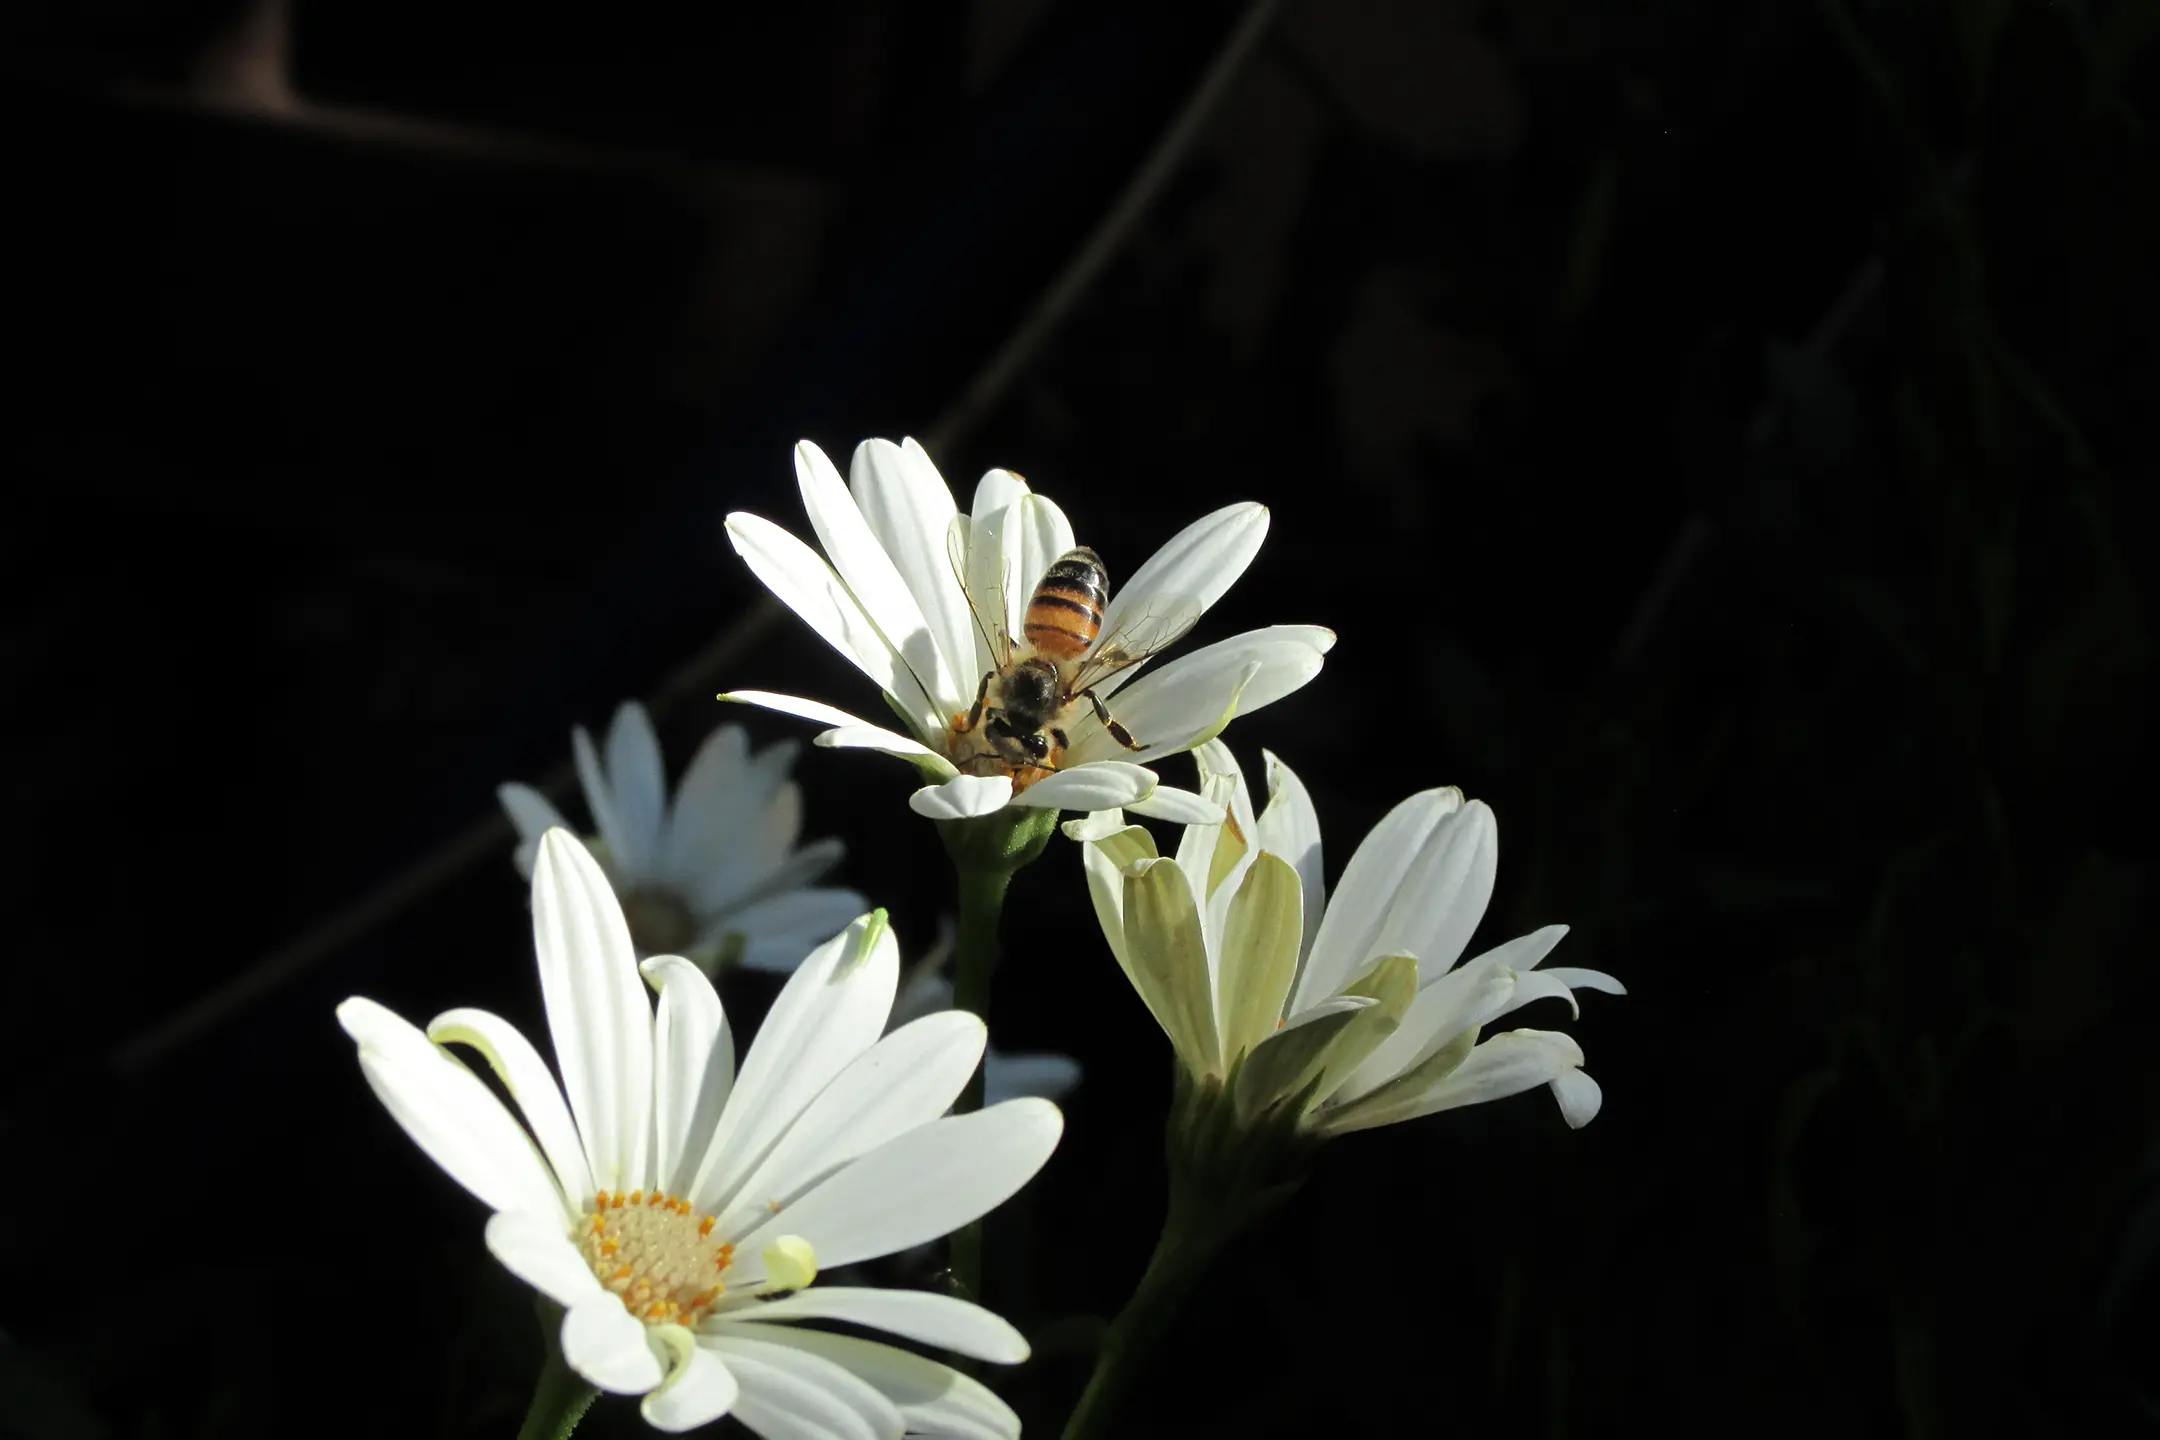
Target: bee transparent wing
(994,638)
(1138,638)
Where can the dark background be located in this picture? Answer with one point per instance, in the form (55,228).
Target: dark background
(1722,435)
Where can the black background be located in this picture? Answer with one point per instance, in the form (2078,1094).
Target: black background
(1721,434)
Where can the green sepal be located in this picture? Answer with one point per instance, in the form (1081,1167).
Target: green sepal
(1001,842)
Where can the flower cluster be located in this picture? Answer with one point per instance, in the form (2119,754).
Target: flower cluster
(680,1209)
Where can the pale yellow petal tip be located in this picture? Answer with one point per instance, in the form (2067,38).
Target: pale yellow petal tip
(790,1264)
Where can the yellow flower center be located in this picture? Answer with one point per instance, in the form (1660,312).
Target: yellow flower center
(656,1253)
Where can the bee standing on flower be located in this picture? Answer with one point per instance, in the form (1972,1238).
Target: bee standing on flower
(1056,667)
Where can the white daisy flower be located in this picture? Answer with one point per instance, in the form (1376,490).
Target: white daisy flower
(713,874)
(1355,1004)
(893,601)
(926,988)
(679,1212)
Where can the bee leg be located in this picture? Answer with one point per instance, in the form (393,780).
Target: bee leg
(974,715)
(1117,732)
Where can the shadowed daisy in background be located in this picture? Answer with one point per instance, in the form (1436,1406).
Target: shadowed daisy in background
(713,874)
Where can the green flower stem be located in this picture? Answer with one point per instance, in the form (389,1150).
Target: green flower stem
(1182,1254)
(1227,1173)
(987,852)
(561,1396)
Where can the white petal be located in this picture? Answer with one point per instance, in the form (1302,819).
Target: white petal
(787,1393)
(718,790)
(908,507)
(934,1398)
(831,1010)
(1505,1065)
(1033,532)
(907,1079)
(945,1321)
(1291,828)
(802,709)
(994,589)
(1460,1000)
(920,1185)
(600,797)
(531,1085)
(1193,697)
(1104,785)
(1008,1077)
(873,579)
(693,1067)
(1181,807)
(535,1249)
(605,1345)
(1580,1097)
(449,1113)
(699,1391)
(1191,571)
(787,877)
(638,788)
(779,932)
(533,815)
(873,737)
(803,582)
(1366,892)
(1444,893)
(1576,979)
(596,1008)
(963,797)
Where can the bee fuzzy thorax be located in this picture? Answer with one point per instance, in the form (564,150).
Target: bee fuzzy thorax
(1065,613)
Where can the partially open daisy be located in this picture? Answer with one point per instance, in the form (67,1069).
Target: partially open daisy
(1352,1008)
(679,1212)
(713,873)
(933,604)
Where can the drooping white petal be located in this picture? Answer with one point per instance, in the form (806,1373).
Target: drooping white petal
(1534,985)
(920,1185)
(1104,785)
(596,1007)
(1580,1097)
(872,577)
(802,581)
(1444,893)
(1367,890)
(963,797)
(693,1066)
(1290,827)
(449,1113)
(873,737)
(909,508)
(531,1085)
(831,1010)
(1576,979)
(795,705)
(788,1393)
(638,788)
(1505,1065)
(533,815)
(1461,1000)
(1181,807)
(934,1399)
(698,1391)
(535,1249)
(607,1346)
(1194,567)
(907,1079)
(945,1321)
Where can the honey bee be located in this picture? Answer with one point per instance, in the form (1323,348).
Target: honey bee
(1027,701)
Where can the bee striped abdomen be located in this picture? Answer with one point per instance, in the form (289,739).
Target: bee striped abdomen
(1064,615)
